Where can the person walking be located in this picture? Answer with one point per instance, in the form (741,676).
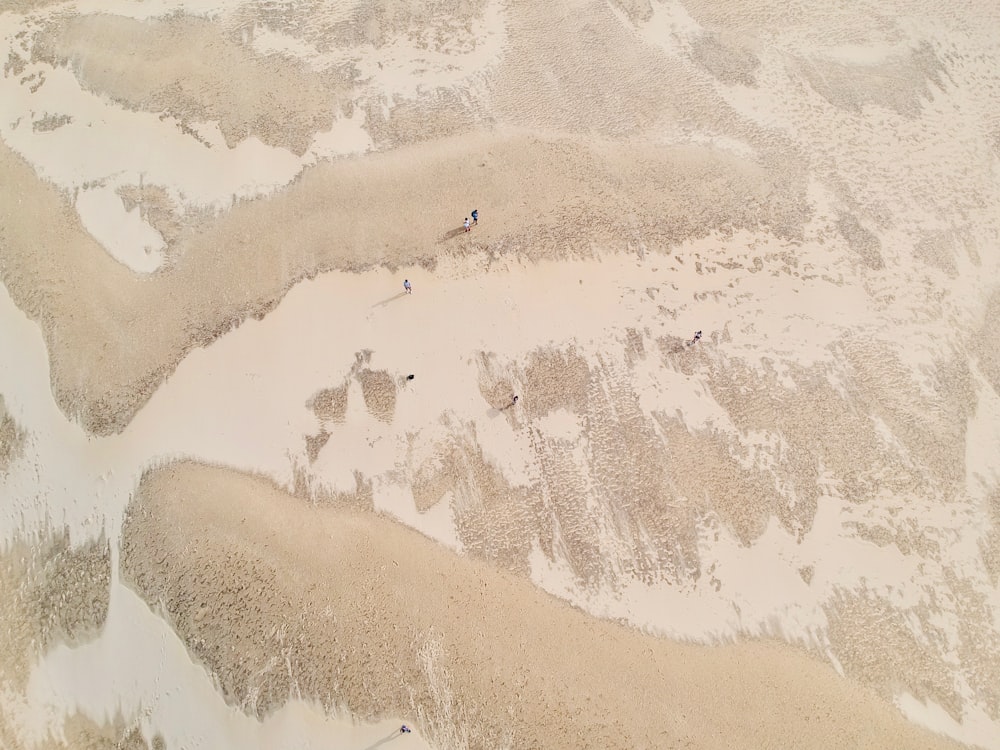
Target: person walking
(475,216)
(406,286)
(467,226)
(696,339)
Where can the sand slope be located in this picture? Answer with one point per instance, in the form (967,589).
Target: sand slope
(278,597)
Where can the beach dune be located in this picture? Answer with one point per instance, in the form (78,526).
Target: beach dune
(279,597)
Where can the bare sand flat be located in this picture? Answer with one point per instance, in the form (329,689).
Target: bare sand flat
(229,516)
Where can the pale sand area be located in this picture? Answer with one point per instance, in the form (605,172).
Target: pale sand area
(815,188)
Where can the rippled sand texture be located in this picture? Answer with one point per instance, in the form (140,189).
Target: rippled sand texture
(206,214)
(50,592)
(370,613)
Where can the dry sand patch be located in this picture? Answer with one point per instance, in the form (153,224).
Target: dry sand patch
(901,83)
(730,62)
(433,24)
(991,546)
(330,403)
(159,210)
(875,644)
(986,341)
(851,427)
(554,75)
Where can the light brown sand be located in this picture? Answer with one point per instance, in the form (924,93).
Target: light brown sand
(277,597)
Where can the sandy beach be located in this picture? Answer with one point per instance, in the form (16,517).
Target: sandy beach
(255,494)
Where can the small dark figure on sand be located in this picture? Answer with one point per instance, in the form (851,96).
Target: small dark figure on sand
(407,287)
(409,377)
(475,216)
(405,729)
(696,339)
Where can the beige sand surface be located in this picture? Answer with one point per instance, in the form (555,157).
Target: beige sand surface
(87,291)
(355,608)
(206,213)
(159,693)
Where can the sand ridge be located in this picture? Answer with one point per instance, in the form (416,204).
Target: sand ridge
(403,625)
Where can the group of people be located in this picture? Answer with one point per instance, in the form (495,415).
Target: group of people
(514,398)
(408,289)
(475,220)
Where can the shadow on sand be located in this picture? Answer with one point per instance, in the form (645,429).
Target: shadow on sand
(495,411)
(387,300)
(452,234)
(383,741)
